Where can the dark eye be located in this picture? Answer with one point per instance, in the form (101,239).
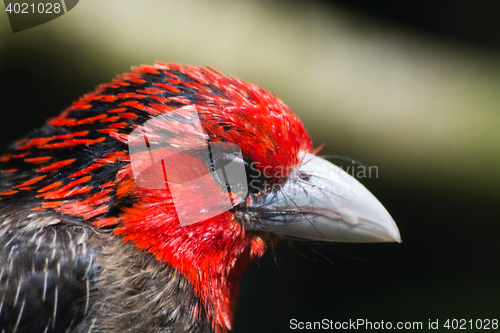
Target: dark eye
(227,167)
(256,179)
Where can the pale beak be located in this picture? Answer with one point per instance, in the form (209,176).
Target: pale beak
(319,201)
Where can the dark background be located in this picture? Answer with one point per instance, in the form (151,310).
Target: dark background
(448,263)
(472,23)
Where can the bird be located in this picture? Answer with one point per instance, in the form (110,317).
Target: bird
(139,207)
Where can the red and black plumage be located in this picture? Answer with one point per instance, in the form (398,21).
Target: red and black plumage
(84,249)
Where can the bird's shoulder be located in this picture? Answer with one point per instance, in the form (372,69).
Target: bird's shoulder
(46,271)
(63,275)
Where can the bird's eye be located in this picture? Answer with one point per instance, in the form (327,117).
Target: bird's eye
(227,167)
(256,180)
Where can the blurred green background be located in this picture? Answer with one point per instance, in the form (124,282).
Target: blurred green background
(410,87)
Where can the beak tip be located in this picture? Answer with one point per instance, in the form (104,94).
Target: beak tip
(391,231)
(397,239)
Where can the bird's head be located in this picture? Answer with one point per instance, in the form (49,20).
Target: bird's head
(200,170)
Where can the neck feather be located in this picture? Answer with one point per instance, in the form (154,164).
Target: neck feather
(211,255)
